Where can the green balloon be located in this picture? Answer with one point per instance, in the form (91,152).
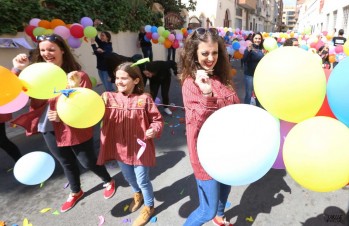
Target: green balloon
(93,81)
(90,32)
(38,31)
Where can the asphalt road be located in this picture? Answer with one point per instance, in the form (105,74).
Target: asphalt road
(274,200)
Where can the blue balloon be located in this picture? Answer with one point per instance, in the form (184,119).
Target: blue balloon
(236,45)
(338,91)
(154,29)
(34,168)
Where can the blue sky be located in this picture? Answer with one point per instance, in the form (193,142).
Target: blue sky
(289,2)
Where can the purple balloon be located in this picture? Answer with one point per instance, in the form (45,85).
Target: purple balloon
(86,21)
(74,42)
(285,127)
(157,100)
(34,22)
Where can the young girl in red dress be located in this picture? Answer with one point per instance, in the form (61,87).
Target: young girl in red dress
(130,123)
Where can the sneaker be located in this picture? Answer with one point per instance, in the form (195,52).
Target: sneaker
(217,222)
(146,213)
(136,202)
(109,190)
(71,201)
(168,111)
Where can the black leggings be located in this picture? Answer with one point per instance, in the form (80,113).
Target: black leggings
(165,84)
(8,146)
(68,156)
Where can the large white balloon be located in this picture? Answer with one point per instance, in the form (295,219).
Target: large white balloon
(238,144)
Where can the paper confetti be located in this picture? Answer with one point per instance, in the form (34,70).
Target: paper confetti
(172,132)
(126,208)
(101,220)
(249,219)
(153,219)
(42,184)
(66,185)
(55,212)
(126,220)
(26,222)
(142,148)
(181,193)
(45,210)
(9,170)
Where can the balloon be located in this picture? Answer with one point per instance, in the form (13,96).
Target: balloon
(155,36)
(81,109)
(149,35)
(337,91)
(41,80)
(166,33)
(38,31)
(34,168)
(285,127)
(236,45)
(270,44)
(47,32)
(18,103)
(62,31)
(292,89)
(160,30)
(34,22)
(332,58)
(93,81)
(147,28)
(45,24)
(154,29)
(74,42)
(77,31)
(171,37)
(167,43)
(86,21)
(238,144)
(57,22)
(10,86)
(29,30)
(325,109)
(90,32)
(346,48)
(316,154)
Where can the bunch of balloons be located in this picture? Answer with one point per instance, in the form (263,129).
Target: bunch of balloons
(162,36)
(73,33)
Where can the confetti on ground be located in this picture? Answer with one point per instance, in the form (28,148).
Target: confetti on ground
(181,193)
(172,132)
(178,116)
(153,219)
(126,208)
(9,170)
(55,212)
(66,185)
(227,205)
(182,120)
(101,220)
(42,184)
(26,222)
(126,220)
(249,219)
(45,210)
(176,125)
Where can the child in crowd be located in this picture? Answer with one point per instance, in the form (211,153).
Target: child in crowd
(130,123)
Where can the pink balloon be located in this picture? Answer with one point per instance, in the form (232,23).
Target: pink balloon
(62,31)
(18,103)
(285,127)
(34,22)
(171,37)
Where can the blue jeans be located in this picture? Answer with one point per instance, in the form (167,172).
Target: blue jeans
(138,178)
(248,89)
(148,52)
(103,75)
(212,197)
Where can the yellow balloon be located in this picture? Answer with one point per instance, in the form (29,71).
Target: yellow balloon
(290,83)
(346,48)
(41,80)
(83,108)
(10,86)
(316,153)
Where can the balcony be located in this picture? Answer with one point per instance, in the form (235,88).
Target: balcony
(248,4)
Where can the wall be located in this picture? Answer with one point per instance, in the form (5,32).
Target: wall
(124,43)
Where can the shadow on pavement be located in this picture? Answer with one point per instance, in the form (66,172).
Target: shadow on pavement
(260,197)
(332,216)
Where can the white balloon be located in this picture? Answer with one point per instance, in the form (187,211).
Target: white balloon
(238,144)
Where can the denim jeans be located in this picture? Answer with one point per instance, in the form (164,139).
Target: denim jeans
(248,88)
(171,54)
(138,178)
(148,52)
(103,75)
(68,156)
(212,197)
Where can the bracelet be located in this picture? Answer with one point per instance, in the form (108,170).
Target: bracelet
(16,70)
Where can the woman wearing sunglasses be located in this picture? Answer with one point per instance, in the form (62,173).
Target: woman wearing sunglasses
(68,145)
(206,87)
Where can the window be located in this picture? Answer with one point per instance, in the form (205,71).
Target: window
(345,19)
(238,11)
(334,18)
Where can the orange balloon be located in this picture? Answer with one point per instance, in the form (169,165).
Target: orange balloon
(57,22)
(45,24)
(167,43)
(155,41)
(332,58)
(184,30)
(10,86)
(238,55)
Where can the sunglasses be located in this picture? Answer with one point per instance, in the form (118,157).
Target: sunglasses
(50,38)
(203,31)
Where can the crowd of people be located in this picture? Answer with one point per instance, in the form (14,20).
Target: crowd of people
(132,119)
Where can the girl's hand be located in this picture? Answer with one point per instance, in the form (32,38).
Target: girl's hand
(203,81)
(74,79)
(20,61)
(53,116)
(150,133)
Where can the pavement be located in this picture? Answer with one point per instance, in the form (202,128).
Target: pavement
(274,200)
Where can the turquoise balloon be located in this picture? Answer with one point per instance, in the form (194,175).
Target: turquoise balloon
(338,91)
(34,168)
